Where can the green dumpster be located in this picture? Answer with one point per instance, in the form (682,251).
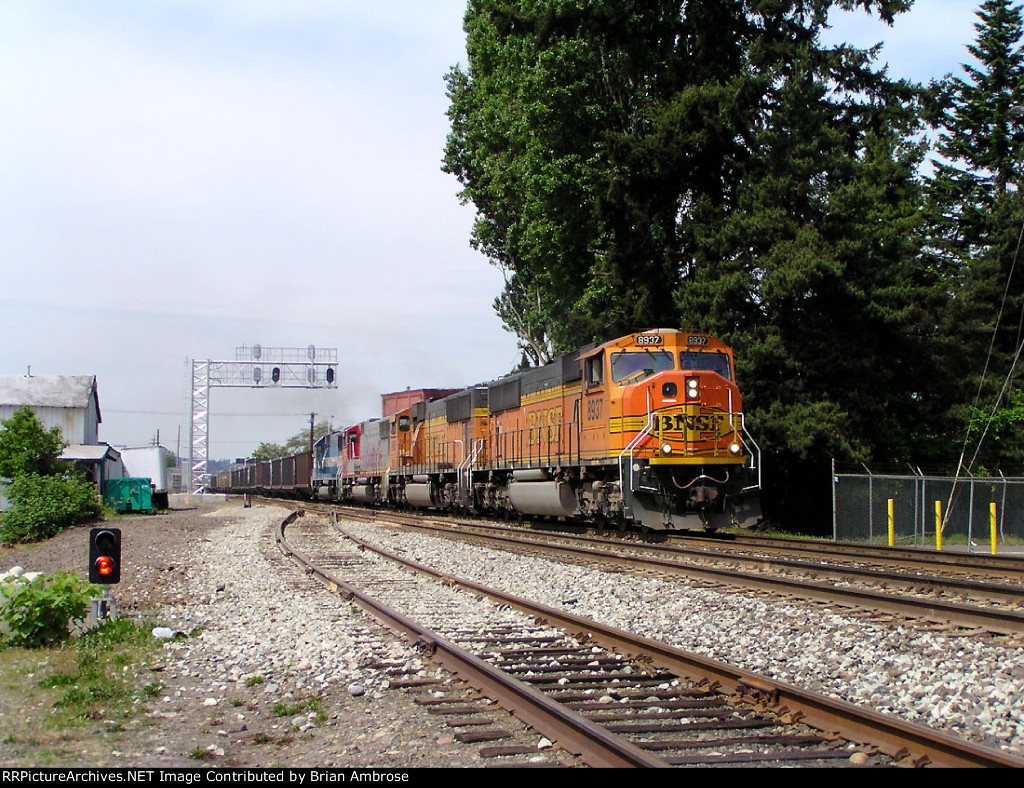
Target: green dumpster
(130,494)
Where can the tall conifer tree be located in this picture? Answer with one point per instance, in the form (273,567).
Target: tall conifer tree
(975,225)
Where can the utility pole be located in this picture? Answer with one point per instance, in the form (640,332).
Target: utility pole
(311,417)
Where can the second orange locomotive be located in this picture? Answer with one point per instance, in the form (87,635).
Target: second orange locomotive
(647,429)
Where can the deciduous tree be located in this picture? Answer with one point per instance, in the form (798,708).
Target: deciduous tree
(26,446)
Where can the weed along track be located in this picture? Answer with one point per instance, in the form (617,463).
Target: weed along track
(604,696)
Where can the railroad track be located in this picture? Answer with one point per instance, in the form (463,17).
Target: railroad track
(975,606)
(977,565)
(612,698)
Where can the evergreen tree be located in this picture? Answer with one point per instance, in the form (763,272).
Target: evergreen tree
(808,266)
(592,134)
(975,218)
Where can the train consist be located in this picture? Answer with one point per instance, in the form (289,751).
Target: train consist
(644,430)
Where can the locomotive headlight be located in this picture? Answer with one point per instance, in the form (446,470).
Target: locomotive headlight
(692,388)
(734,448)
(666,449)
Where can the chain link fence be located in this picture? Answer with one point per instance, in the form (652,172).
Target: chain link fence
(860,507)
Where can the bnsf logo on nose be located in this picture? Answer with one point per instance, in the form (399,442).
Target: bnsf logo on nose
(649,340)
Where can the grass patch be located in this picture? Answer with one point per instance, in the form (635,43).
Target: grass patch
(266,738)
(93,685)
(66,703)
(291,709)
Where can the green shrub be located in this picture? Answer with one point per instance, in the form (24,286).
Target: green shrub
(26,446)
(39,612)
(43,506)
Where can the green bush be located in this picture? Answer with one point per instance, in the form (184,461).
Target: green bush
(39,612)
(43,506)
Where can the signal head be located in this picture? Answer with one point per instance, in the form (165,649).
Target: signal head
(105,556)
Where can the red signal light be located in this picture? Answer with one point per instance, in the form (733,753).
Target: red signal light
(105,566)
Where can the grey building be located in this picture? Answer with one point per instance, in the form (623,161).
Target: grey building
(72,403)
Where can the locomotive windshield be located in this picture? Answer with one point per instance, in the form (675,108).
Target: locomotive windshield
(691,361)
(632,367)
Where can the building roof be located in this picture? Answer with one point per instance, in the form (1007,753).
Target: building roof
(85,453)
(49,391)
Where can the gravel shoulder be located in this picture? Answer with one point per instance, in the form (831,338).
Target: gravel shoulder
(266,677)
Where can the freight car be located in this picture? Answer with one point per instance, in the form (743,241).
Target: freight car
(647,430)
(284,476)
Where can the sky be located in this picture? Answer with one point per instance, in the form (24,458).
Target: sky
(185,177)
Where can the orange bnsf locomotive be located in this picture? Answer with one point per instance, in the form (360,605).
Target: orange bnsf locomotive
(647,429)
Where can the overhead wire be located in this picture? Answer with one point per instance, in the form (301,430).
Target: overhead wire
(984,374)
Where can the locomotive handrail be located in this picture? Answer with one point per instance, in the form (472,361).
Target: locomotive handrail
(638,438)
(465,472)
(754,464)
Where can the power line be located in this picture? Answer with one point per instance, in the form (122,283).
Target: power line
(219,415)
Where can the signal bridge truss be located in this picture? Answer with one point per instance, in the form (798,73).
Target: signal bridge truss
(254,367)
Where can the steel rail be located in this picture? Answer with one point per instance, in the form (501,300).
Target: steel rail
(895,737)
(574,733)
(978,563)
(1000,592)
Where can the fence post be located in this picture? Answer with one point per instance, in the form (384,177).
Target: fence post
(835,484)
(1002,507)
(892,526)
(938,526)
(970,519)
(992,525)
(923,519)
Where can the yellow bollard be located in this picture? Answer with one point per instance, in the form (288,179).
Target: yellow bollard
(892,526)
(938,526)
(992,524)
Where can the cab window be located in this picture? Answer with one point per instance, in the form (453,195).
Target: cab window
(692,361)
(594,370)
(632,367)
